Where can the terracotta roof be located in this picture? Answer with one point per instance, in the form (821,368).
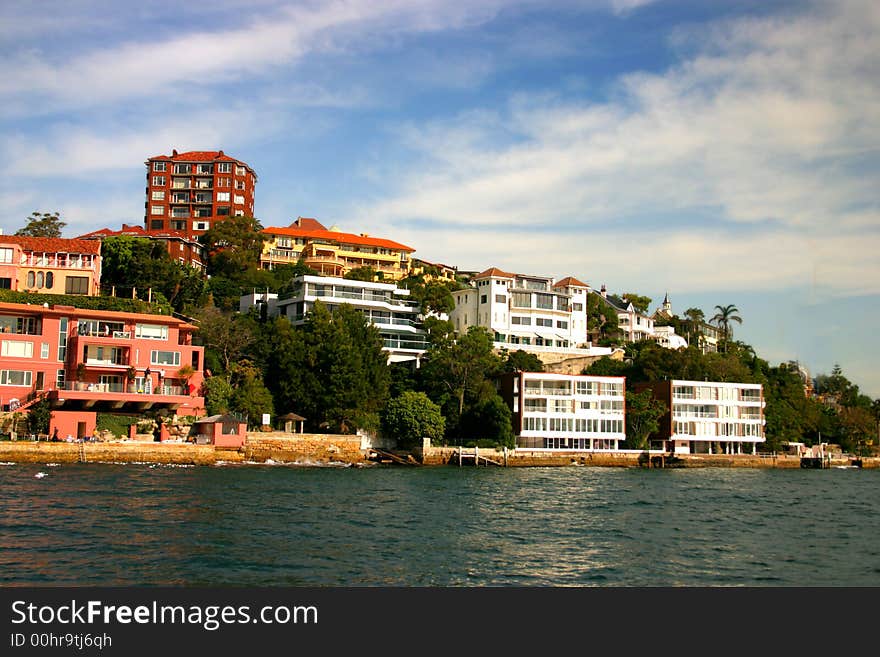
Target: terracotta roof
(334,236)
(52,244)
(494,271)
(570,281)
(199,156)
(309,223)
(130,230)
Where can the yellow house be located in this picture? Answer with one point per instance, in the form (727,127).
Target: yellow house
(331,252)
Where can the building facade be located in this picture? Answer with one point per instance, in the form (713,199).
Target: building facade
(708,417)
(49,265)
(188,192)
(89,361)
(331,252)
(532,313)
(566,412)
(385,305)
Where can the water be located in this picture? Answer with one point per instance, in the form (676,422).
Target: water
(91,524)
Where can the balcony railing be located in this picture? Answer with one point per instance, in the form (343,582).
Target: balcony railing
(130,389)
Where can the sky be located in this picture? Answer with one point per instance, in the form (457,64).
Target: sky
(722,152)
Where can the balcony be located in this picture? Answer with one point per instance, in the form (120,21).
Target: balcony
(121,398)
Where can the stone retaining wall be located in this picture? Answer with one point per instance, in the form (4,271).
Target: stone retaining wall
(304,447)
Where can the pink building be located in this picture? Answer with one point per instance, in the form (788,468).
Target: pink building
(90,361)
(50,265)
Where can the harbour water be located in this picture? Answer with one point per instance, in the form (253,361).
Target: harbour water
(143,525)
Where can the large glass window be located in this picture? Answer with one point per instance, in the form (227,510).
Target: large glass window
(15,378)
(165,358)
(151,331)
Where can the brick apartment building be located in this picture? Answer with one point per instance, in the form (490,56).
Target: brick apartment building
(188,192)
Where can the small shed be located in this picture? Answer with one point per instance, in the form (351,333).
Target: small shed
(220,430)
(289,420)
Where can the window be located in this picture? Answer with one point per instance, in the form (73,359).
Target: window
(76,285)
(5,283)
(239,171)
(157,224)
(522,299)
(239,184)
(17,349)
(520,320)
(178,225)
(158,181)
(541,321)
(201,225)
(544,301)
(165,358)
(484,298)
(239,200)
(15,378)
(239,213)
(180,197)
(500,298)
(158,195)
(223,182)
(62,338)
(222,196)
(157,210)
(577,307)
(223,211)
(205,168)
(224,167)
(151,331)
(182,168)
(6,255)
(561,324)
(158,166)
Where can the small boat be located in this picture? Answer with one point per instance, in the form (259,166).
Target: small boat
(40,475)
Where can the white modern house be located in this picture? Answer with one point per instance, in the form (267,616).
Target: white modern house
(708,417)
(668,338)
(565,411)
(533,313)
(385,305)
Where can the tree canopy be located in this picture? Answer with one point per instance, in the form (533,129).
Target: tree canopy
(42,224)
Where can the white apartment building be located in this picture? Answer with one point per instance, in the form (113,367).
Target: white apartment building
(385,305)
(532,313)
(566,411)
(709,417)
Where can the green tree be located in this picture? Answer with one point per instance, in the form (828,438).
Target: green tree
(250,396)
(643,414)
(723,317)
(639,302)
(361,274)
(488,420)
(456,370)
(411,417)
(332,370)
(234,247)
(229,336)
(42,224)
(138,262)
(38,417)
(218,395)
(521,361)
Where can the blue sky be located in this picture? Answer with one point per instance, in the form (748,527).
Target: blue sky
(725,151)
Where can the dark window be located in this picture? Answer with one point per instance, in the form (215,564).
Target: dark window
(156,224)
(223,211)
(50,280)
(483,298)
(76,285)
(5,283)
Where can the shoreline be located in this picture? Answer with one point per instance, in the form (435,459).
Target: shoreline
(345,451)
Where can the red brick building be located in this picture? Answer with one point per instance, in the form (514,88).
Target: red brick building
(188,192)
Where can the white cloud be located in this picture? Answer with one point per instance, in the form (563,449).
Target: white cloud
(768,125)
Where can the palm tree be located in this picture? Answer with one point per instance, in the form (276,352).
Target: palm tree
(723,318)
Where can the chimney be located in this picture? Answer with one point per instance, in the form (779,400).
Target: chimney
(174,153)
(603,291)
(220,153)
